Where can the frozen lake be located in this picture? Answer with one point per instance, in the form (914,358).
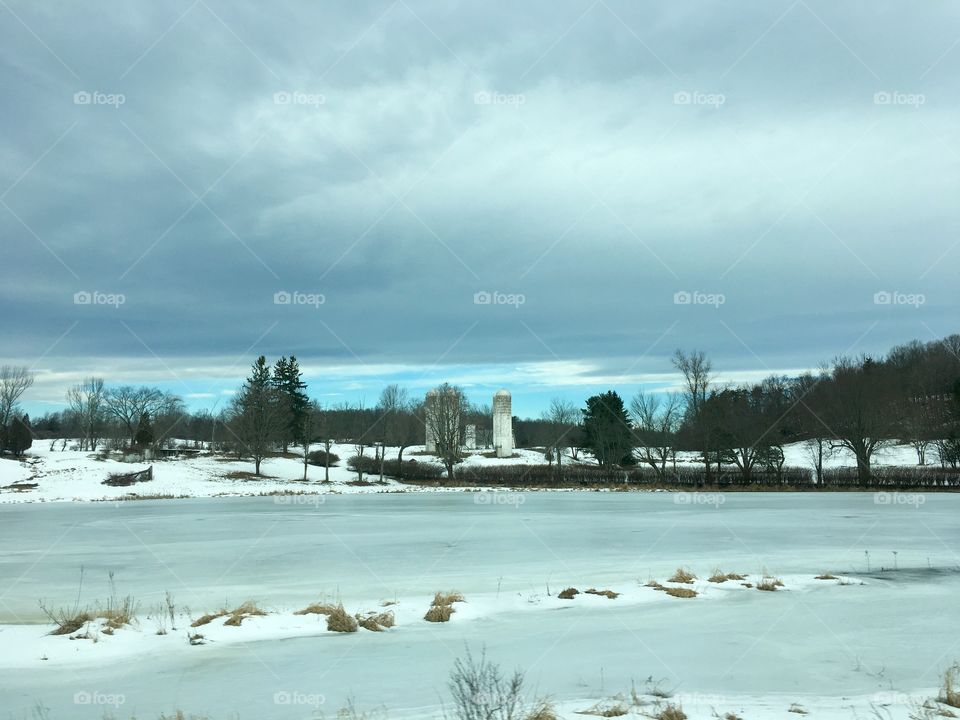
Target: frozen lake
(893,634)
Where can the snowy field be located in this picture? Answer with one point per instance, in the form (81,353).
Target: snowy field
(71,475)
(871,644)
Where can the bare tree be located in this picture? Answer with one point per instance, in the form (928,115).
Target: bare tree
(85,400)
(657,419)
(15,380)
(562,416)
(127,404)
(697,371)
(444,412)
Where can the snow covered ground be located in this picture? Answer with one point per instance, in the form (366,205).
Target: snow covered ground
(71,475)
(874,641)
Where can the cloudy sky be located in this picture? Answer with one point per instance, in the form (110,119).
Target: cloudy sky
(545,196)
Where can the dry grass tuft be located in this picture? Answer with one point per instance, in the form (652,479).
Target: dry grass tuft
(680,592)
(655,585)
(950,694)
(376,622)
(317,609)
(238,615)
(339,620)
(543,710)
(439,613)
(606,593)
(721,577)
(568,594)
(615,709)
(68,623)
(731,716)
(682,575)
(769,584)
(447,598)
(671,712)
(826,576)
(209,617)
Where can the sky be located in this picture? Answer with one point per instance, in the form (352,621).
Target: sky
(547,197)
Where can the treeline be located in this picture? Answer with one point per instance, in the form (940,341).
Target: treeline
(859,405)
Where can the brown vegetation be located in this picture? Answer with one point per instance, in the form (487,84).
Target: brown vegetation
(682,575)
(568,594)
(606,593)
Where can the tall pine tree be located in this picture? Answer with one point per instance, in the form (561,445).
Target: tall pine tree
(288,381)
(257,416)
(607,429)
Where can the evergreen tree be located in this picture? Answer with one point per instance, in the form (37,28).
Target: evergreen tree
(607,429)
(144,436)
(288,381)
(257,414)
(19,436)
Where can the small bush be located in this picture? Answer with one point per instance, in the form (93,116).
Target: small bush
(339,620)
(682,575)
(321,458)
(681,592)
(606,593)
(568,594)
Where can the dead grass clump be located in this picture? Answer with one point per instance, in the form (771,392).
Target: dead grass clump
(682,575)
(568,594)
(209,617)
(769,584)
(826,576)
(671,712)
(655,585)
(721,577)
(439,613)
(238,615)
(341,621)
(614,709)
(447,598)
(376,622)
(681,592)
(68,622)
(747,585)
(317,609)
(731,716)
(543,710)
(950,694)
(606,593)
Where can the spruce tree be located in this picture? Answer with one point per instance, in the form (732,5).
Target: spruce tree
(20,437)
(144,436)
(607,429)
(288,380)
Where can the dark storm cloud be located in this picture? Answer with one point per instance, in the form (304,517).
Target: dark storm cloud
(604,161)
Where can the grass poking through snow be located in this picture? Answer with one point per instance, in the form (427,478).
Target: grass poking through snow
(682,575)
